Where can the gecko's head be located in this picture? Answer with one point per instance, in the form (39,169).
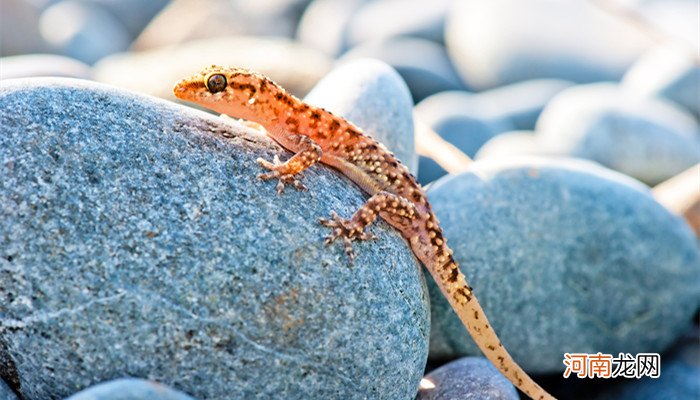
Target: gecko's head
(226,90)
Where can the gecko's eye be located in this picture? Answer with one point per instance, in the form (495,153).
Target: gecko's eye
(216,83)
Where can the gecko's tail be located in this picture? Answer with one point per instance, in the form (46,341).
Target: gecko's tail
(467,307)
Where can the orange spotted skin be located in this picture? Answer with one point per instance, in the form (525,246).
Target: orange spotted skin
(316,135)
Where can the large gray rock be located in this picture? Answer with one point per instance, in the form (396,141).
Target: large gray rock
(469,378)
(372,95)
(647,138)
(136,240)
(565,256)
(497,42)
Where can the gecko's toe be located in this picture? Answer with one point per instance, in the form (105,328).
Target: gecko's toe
(268,175)
(284,179)
(347,243)
(346,229)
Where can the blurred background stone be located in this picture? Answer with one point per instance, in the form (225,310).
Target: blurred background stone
(380,19)
(519,103)
(294,66)
(466,379)
(423,64)
(676,20)
(186,20)
(509,144)
(498,42)
(680,369)
(324,24)
(429,170)
(453,116)
(564,256)
(669,72)
(129,389)
(19,29)
(373,96)
(32,65)
(133,14)
(83,30)
(647,138)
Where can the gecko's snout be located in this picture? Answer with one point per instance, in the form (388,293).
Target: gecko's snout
(180,89)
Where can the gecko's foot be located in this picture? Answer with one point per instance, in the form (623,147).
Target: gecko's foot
(346,229)
(284,179)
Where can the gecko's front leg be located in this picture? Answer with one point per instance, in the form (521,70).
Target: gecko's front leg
(396,210)
(309,154)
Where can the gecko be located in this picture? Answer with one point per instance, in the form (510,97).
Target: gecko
(315,135)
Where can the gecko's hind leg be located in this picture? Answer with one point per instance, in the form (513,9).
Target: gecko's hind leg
(394,209)
(308,155)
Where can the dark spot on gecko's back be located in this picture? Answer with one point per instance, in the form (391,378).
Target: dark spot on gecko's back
(454,274)
(334,125)
(462,292)
(315,115)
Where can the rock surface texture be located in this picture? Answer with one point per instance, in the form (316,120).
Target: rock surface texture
(136,240)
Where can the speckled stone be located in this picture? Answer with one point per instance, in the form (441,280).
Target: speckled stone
(565,256)
(294,66)
(669,72)
(32,65)
(469,378)
(136,240)
(423,64)
(647,138)
(129,389)
(452,116)
(497,42)
(372,95)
